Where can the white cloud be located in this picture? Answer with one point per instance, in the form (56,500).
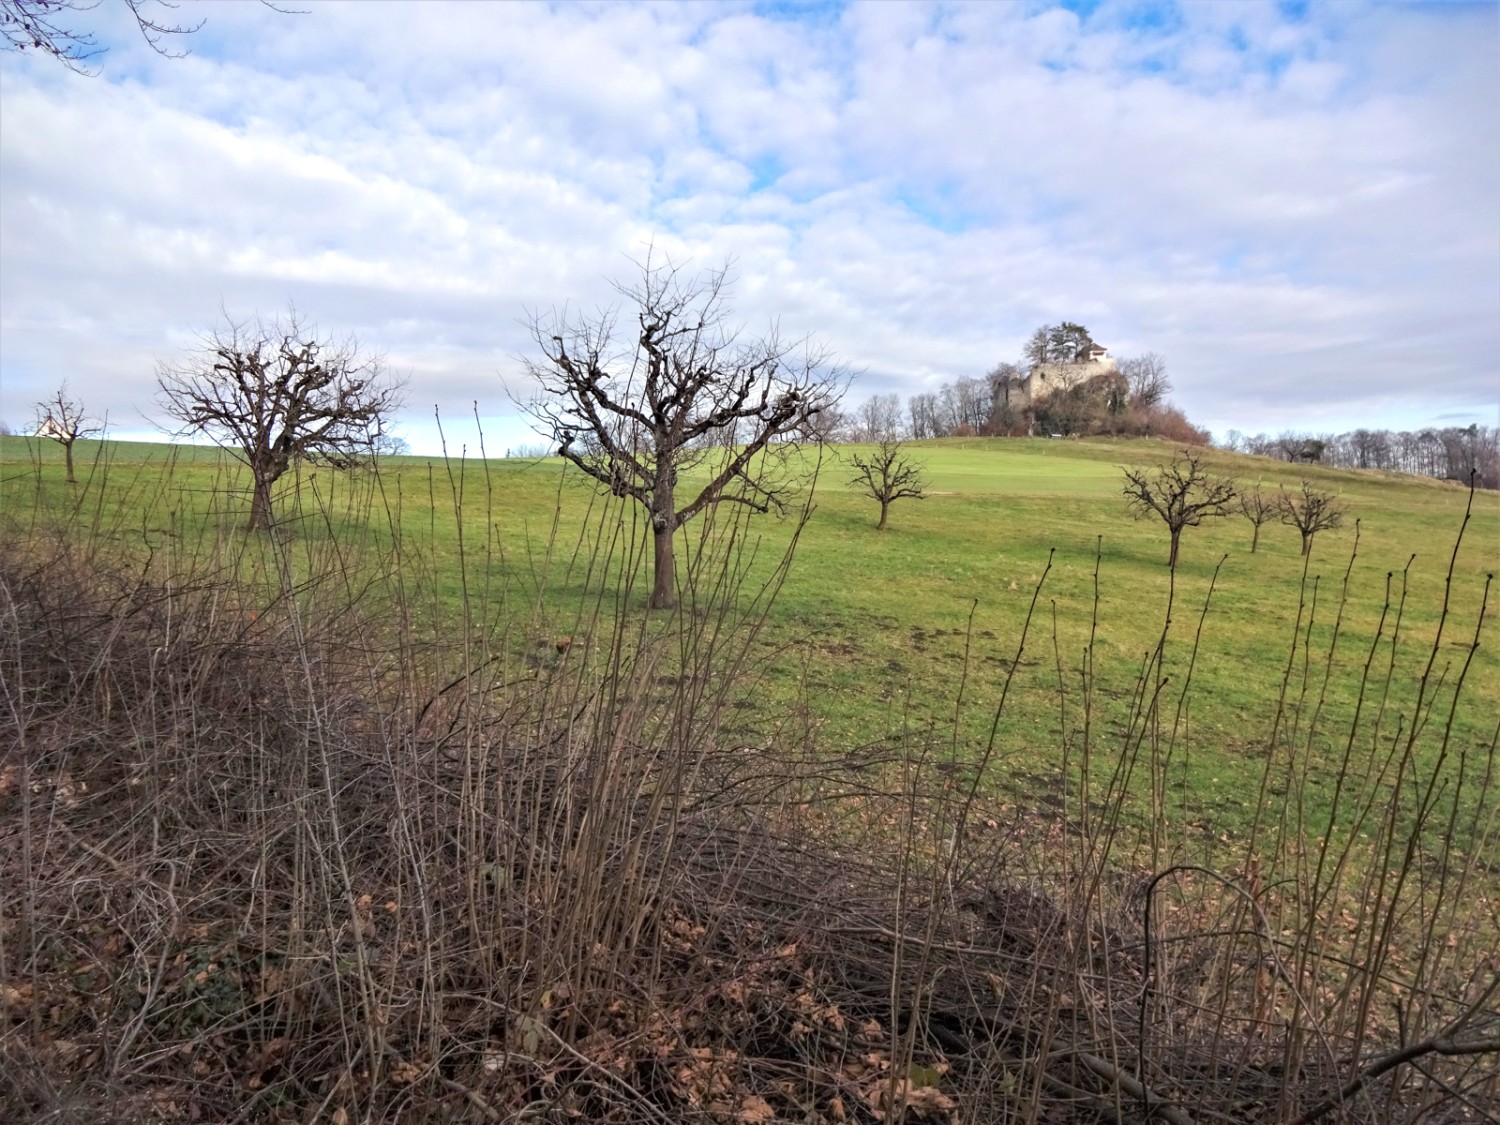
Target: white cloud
(1297,211)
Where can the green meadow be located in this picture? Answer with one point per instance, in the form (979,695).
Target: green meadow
(1219,682)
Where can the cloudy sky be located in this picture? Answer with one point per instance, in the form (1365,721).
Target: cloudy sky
(1298,205)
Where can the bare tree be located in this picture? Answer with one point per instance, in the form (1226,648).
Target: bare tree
(1003,374)
(1038,348)
(1259,507)
(972,400)
(1181,494)
(1311,510)
(274,394)
(828,426)
(880,418)
(1295,447)
(886,476)
(686,393)
(1147,377)
(923,411)
(61,418)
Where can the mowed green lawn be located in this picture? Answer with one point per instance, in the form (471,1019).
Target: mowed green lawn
(910,633)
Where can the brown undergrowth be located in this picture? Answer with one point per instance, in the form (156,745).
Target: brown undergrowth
(288,850)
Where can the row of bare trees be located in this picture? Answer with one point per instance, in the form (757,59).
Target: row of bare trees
(1450,453)
(1184,493)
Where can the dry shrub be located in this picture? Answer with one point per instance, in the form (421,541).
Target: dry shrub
(1170,424)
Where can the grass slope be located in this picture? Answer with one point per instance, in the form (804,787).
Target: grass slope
(914,629)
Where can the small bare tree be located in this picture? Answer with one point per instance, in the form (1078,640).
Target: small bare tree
(686,393)
(887,475)
(1259,507)
(1147,378)
(1311,510)
(61,418)
(1181,494)
(274,394)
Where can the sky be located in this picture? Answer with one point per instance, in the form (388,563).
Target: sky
(1296,204)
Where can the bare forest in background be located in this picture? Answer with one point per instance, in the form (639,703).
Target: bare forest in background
(1452,453)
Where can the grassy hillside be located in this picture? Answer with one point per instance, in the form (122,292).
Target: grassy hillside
(873,634)
(410,810)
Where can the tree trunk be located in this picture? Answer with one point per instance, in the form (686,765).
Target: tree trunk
(664,592)
(1172,559)
(260,505)
(1307,538)
(68,456)
(885,506)
(1255,539)
(663,510)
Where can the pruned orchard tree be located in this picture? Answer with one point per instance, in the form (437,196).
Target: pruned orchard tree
(1181,494)
(888,475)
(275,394)
(62,419)
(1259,507)
(1311,510)
(682,391)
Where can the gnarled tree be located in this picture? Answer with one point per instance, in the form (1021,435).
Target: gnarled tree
(1181,494)
(275,394)
(1311,510)
(61,418)
(886,476)
(684,392)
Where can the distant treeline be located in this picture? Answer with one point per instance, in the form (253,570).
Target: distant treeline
(1452,453)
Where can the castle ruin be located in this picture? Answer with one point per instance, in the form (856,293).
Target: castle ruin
(1047,379)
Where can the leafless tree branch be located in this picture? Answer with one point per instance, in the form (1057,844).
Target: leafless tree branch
(50,26)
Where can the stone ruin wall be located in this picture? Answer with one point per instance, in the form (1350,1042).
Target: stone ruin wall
(1047,379)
